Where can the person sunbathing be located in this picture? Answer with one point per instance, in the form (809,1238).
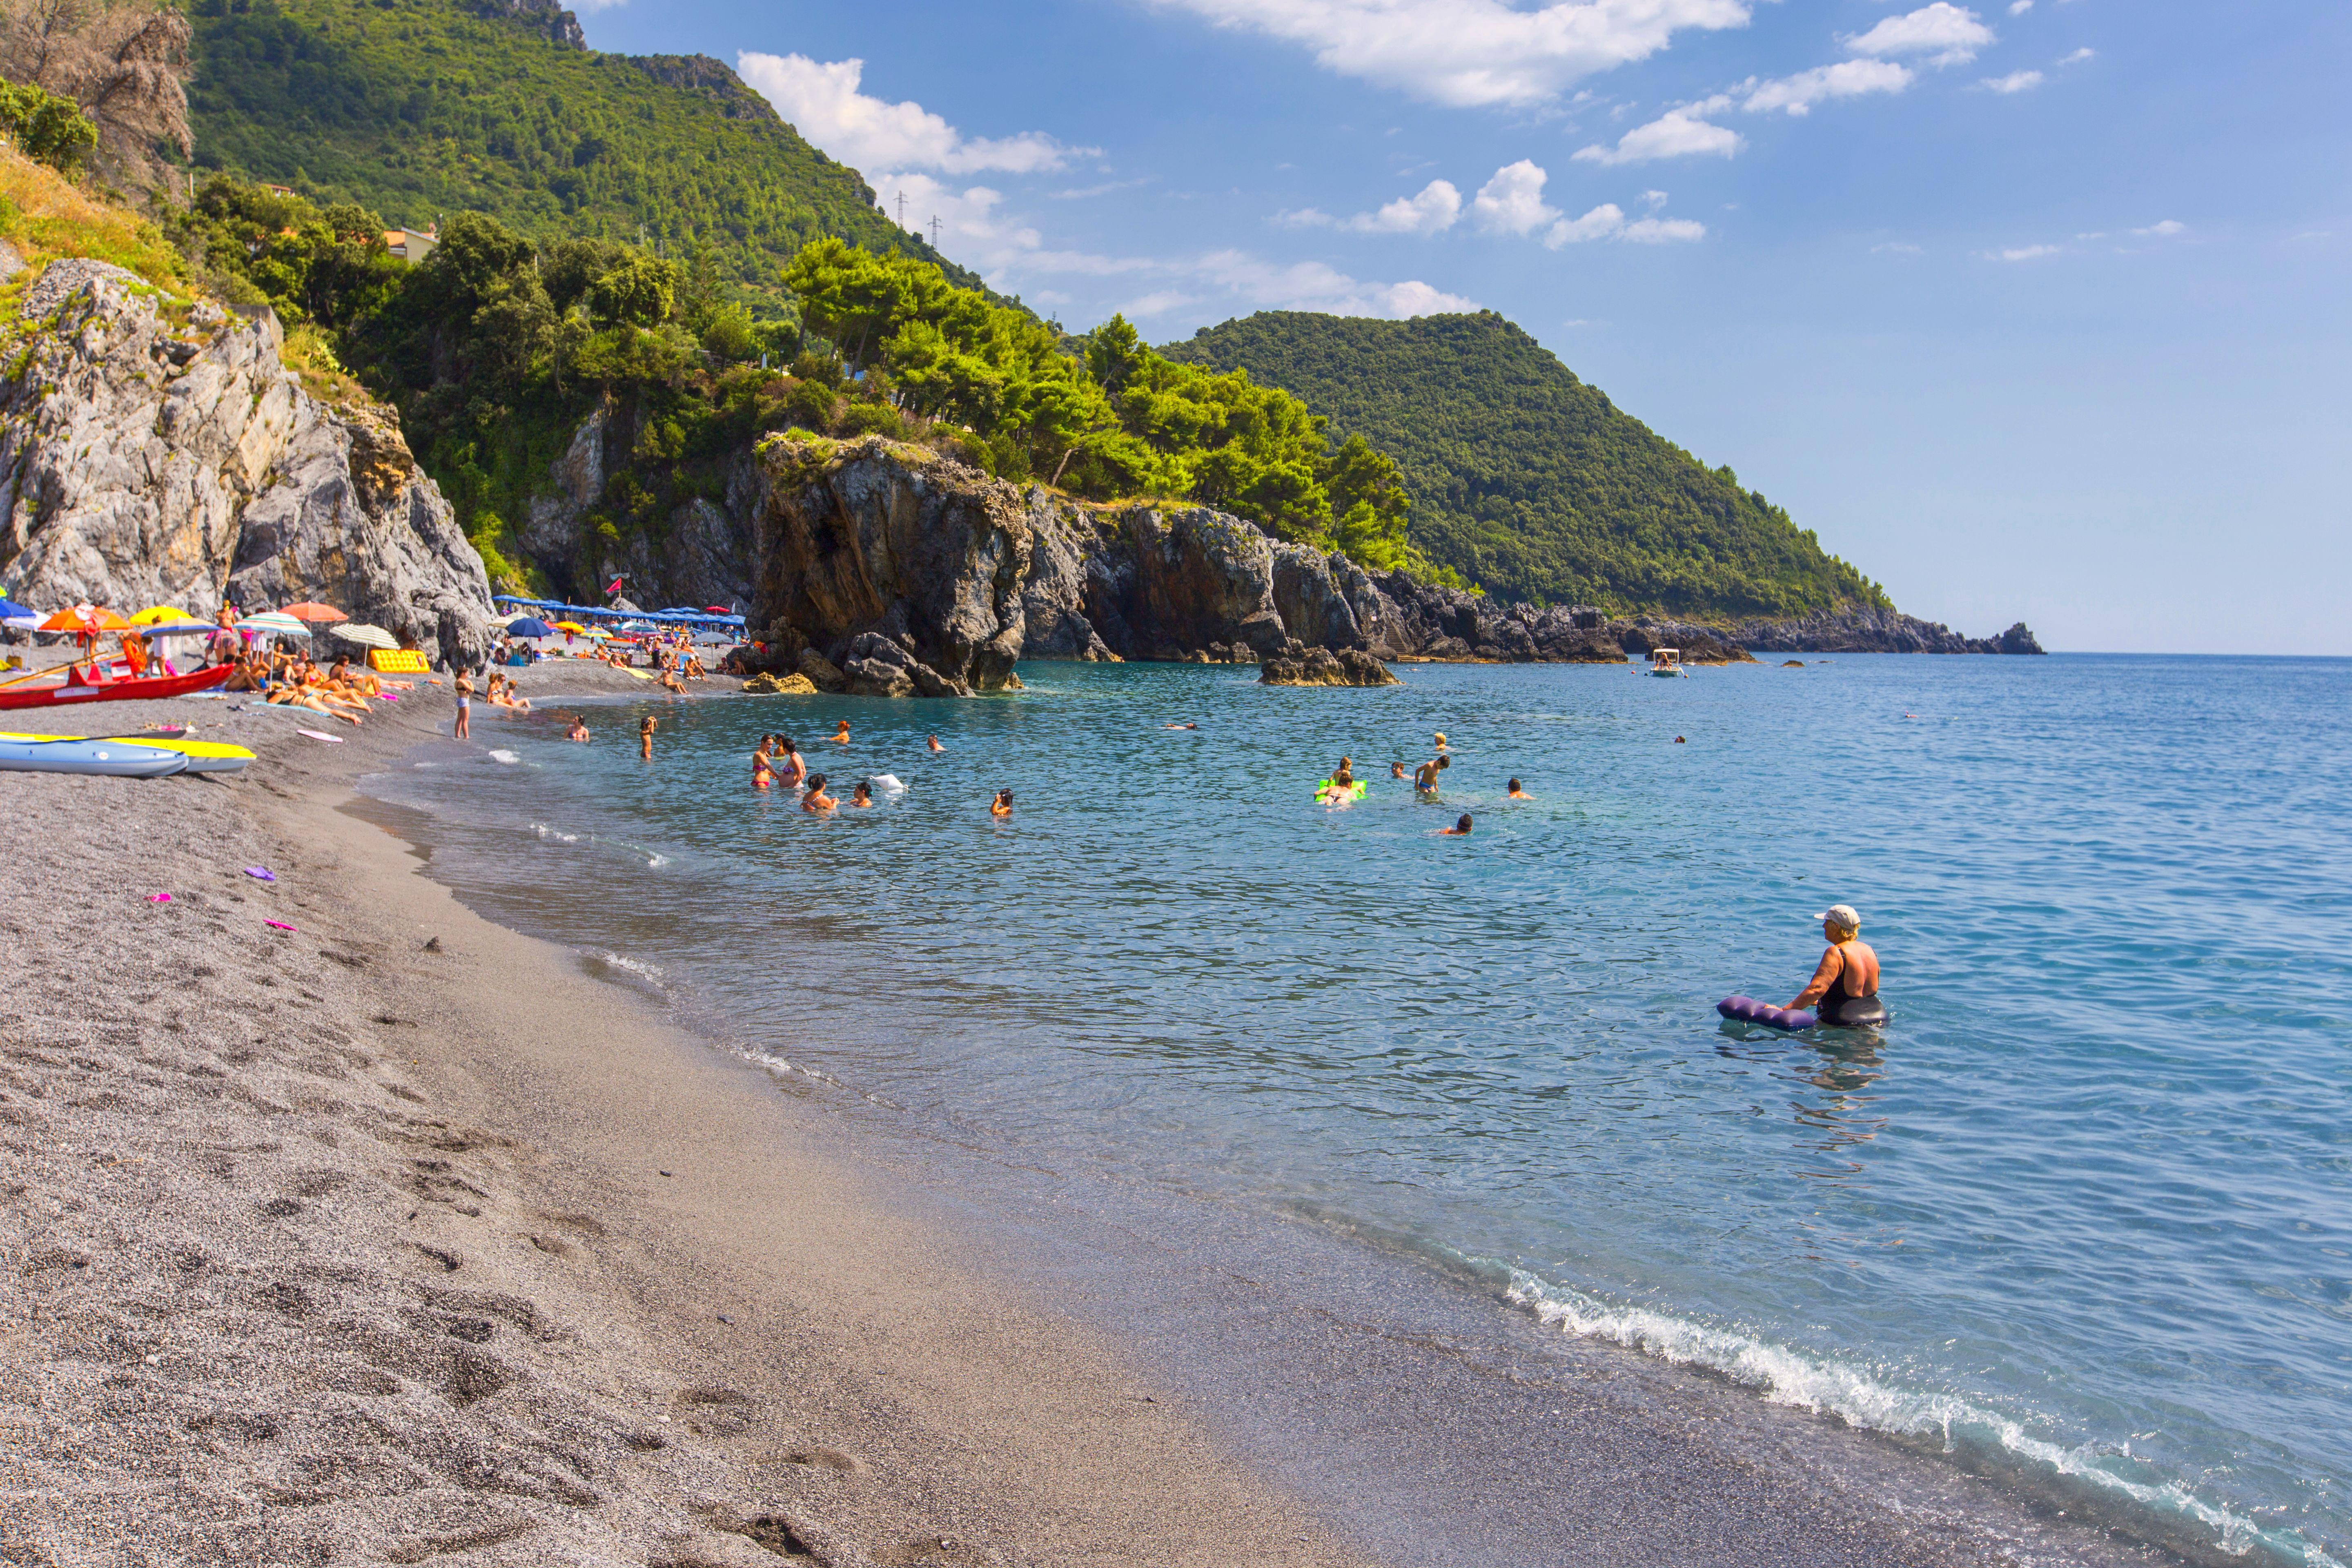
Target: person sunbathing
(286,695)
(250,675)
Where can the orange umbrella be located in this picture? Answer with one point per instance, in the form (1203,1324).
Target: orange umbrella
(85,619)
(310,610)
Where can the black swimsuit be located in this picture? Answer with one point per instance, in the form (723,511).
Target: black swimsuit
(1838,1006)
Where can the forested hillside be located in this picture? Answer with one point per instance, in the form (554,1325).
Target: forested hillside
(420,110)
(1526,480)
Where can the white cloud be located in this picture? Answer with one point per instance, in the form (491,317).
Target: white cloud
(1433,211)
(1158,302)
(2079,56)
(1847,78)
(1313,286)
(1948,32)
(1655,198)
(2015,82)
(1512,202)
(1471,52)
(1607,221)
(2026,253)
(866,132)
(1677,134)
(2163,230)
(2020,7)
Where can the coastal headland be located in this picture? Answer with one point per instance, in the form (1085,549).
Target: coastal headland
(385,1234)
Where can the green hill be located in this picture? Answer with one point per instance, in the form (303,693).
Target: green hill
(1526,480)
(423,109)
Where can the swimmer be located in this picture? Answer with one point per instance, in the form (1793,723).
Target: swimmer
(646,737)
(1441,740)
(1844,989)
(763,775)
(841,736)
(935,745)
(817,800)
(579,731)
(1516,793)
(1424,778)
(1459,830)
(862,795)
(1002,804)
(1180,726)
(1396,770)
(792,770)
(1680,741)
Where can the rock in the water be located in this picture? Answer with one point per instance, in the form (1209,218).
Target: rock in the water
(822,672)
(146,464)
(1321,667)
(766,685)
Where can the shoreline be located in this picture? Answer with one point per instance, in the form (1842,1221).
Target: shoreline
(954,1349)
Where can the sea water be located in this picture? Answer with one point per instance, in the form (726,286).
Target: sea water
(2080,1217)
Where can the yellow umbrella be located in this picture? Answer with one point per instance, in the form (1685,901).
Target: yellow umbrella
(157,615)
(570,626)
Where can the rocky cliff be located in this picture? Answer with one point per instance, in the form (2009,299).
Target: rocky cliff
(156,451)
(889,569)
(1875,631)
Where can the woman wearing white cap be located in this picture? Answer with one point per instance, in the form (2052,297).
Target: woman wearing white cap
(1844,989)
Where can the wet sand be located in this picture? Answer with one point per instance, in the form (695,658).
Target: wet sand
(400,1237)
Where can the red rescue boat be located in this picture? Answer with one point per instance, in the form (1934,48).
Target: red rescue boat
(76,686)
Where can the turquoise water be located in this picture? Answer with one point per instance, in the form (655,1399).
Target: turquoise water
(2078,1217)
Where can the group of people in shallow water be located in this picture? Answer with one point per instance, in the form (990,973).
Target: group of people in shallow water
(1344,789)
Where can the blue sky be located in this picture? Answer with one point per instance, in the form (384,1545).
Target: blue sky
(2032,311)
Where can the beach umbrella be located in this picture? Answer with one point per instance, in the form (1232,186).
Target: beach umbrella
(599,633)
(276,622)
(529,626)
(11,610)
(158,614)
(366,636)
(573,627)
(85,620)
(311,610)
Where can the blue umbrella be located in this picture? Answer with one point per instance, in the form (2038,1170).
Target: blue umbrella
(9,607)
(529,626)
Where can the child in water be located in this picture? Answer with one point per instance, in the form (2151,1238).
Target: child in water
(1002,804)
(1424,778)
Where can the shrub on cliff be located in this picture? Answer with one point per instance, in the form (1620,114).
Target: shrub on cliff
(46,128)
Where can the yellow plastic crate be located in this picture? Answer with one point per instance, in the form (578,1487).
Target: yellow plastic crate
(398,661)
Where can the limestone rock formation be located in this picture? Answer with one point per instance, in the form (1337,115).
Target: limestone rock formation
(767,685)
(143,462)
(1874,631)
(1321,667)
(699,554)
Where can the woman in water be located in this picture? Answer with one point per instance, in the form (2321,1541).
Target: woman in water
(841,736)
(762,774)
(792,770)
(817,800)
(1002,804)
(579,731)
(646,737)
(1844,989)
(934,742)
(861,795)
